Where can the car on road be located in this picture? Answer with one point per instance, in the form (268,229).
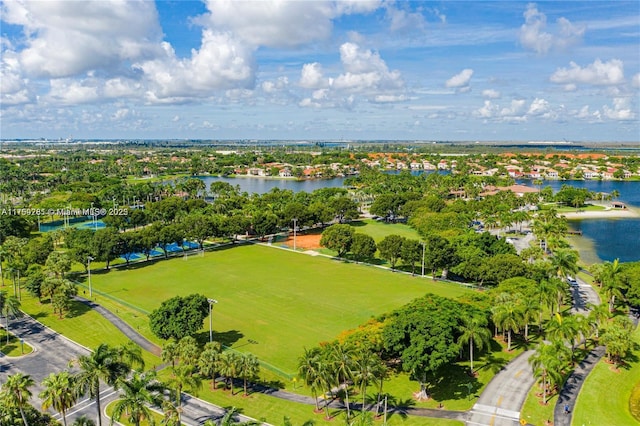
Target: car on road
(572,281)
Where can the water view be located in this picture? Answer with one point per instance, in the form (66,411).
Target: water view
(613,238)
(262,185)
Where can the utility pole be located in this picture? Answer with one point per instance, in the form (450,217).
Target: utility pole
(295,225)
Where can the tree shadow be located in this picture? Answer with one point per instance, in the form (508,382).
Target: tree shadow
(226,338)
(454,384)
(492,363)
(77,309)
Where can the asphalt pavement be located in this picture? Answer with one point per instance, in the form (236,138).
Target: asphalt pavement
(501,401)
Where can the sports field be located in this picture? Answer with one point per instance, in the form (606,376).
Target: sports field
(272,302)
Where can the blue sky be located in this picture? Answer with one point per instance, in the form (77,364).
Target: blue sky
(353,70)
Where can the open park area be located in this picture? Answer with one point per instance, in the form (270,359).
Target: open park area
(272,302)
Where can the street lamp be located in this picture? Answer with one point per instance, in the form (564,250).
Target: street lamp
(89,259)
(295,225)
(211,303)
(423,248)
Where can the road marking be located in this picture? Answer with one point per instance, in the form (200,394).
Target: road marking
(518,373)
(500,398)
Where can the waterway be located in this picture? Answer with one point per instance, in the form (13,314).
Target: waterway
(607,239)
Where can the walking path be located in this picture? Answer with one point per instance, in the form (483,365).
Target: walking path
(125,328)
(572,386)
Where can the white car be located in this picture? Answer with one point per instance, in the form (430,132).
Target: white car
(572,281)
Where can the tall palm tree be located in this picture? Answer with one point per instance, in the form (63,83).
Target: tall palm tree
(598,314)
(171,413)
(508,316)
(229,362)
(83,421)
(188,350)
(102,364)
(563,328)
(249,367)
(611,282)
(136,393)
(475,332)
(60,393)
(131,354)
(548,362)
(170,353)
(209,360)
(530,308)
(565,262)
(16,393)
(309,371)
(366,365)
(9,307)
(184,377)
(342,363)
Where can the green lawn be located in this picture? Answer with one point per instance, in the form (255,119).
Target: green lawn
(83,325)
(605,395)
(379,230)
(13,348)
(272,302)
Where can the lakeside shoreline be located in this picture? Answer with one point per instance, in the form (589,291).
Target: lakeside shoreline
(610,213)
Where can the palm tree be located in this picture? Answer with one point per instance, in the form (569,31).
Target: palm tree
(367,364)
(184,377)
(136,393)
(188,350)
(208,361)
(530,308)
(475,332)
(102,364)
(548,362)
(171,413)
(16,393)
(249,367)
(83,421)
(309,370)
(563,328)
(611,282)
(342,363)
(565,262)
(598,314)
(229,367)
(170,353)
(60,393)
(508,316)
(131,354)
(9,307)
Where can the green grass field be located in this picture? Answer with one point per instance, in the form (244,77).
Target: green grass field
(605,395)
(379,230)
(14,347)
(272,302)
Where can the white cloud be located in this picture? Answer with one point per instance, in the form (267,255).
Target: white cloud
(620,111)
(491,94)
(635,80)
(280,23)
(403,20)
(67,38)
(220,63)
(311,76)
(533,35)
(365,70)
(597,73)
(278,85)
(460,80)
(71,92)
(538,107)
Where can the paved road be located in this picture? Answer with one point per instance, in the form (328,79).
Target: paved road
(583,295)
(502,399)
(53,353)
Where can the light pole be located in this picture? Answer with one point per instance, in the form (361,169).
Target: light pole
(295,225)
(89,259)
(423,248)
(211,303)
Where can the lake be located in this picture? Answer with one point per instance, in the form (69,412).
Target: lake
(610,238)
(258,185)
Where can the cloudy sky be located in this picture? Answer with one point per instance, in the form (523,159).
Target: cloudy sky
(370,69)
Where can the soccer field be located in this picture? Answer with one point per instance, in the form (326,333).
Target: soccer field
(272,302)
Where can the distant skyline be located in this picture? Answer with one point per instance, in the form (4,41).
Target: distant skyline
(355,70)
